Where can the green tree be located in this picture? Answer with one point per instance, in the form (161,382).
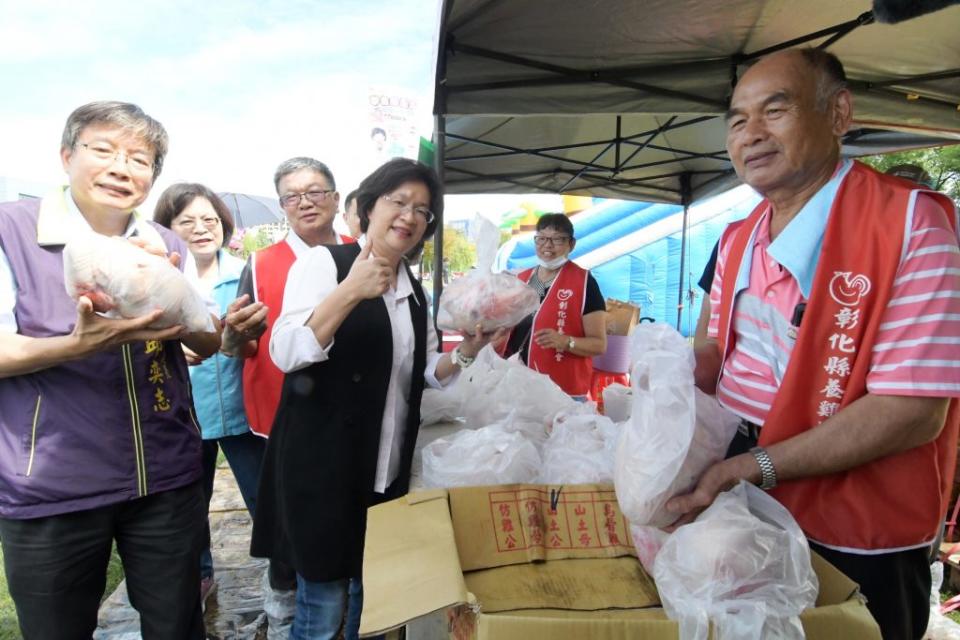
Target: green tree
(456,246)
(942,163)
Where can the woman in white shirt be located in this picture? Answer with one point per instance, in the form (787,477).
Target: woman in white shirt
(355,341)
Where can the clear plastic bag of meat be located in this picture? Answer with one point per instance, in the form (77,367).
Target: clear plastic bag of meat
(675,431)
(123,280)
(743,565)
(491,300)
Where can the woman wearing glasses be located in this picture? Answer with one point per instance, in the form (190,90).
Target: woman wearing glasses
(202,220)
(569,328)
(355,341)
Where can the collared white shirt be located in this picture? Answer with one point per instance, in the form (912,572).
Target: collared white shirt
(294,346)
(75,222)
(297,244)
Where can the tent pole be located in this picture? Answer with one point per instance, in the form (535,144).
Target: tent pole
(685,198)
(440,129)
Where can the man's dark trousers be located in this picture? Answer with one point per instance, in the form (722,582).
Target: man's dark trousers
(56,566)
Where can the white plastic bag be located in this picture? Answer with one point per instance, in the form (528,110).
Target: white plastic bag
(492,300)
(647,541)
(127,281)
(940,627)
(491,388)
(440,405)
(675,431)
(744,565)
(494,454)
(580,450)
(617,402)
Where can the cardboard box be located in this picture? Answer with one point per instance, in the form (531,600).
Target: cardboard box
(622,317)
(534,562)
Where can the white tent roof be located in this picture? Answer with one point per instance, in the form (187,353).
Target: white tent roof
(625,99)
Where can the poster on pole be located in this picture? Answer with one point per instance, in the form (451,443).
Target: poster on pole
(393,133)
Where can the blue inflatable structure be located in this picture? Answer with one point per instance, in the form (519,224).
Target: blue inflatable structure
(633,250)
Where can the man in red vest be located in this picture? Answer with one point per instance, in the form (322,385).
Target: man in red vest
(835,338)
(308,195)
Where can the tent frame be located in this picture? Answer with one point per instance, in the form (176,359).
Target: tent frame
(624,147)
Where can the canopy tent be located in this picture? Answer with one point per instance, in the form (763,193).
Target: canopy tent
(625,99)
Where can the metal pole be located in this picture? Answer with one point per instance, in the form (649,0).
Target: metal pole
(438,154)
(685,196)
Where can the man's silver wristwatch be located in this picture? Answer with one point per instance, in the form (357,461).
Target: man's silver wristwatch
(768,475)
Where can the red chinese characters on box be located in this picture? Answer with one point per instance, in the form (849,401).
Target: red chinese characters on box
(558,518)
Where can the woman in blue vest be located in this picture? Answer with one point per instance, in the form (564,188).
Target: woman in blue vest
(202,220)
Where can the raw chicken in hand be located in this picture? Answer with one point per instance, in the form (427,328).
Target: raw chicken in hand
(491,300)
(121,279)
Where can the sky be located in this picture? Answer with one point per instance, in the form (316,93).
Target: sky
(239,85)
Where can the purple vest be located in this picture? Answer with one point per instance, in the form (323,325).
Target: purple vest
(110,427)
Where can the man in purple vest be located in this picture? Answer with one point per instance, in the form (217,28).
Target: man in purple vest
(97,437)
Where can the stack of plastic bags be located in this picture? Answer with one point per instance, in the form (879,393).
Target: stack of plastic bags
(580,450)
(507,406)
(491,300)
(491,388)
(124,280)
(494,454)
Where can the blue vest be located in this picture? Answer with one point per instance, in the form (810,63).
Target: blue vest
(218,380)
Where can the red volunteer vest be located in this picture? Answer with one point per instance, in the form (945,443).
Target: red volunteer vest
(262,380)
(562,309)
(894,502)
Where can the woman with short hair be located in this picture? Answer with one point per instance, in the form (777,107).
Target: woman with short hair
(355,340)
(562,336)
(203,221)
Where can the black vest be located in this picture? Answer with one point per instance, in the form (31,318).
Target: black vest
(321,460)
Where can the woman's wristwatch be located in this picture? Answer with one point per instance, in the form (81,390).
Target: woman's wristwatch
(457,358)
(571,343)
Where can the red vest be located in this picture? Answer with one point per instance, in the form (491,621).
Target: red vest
(894,502)
(262,380)
(562,309)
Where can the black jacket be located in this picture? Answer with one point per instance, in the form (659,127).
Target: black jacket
(320,465)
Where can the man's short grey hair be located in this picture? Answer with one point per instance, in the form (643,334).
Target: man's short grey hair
(831,78)
(123,115)
(299,163)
